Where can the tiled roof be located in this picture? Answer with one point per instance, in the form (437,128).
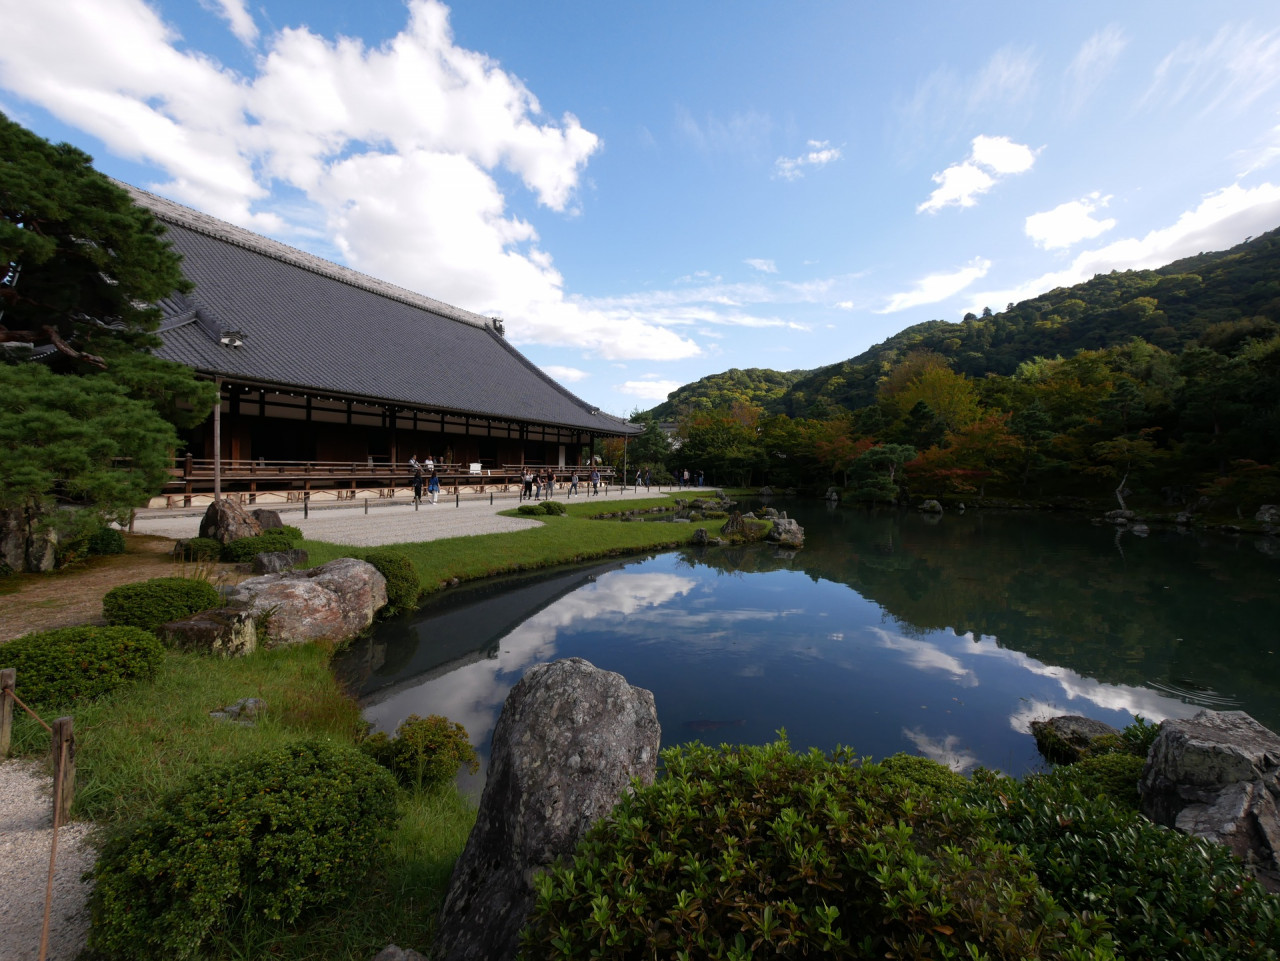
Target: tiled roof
(307,323)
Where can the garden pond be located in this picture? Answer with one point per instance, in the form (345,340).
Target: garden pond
(936,635)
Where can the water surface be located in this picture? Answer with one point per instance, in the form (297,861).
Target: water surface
(887,632)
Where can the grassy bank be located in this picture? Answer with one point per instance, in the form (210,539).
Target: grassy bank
(142,742)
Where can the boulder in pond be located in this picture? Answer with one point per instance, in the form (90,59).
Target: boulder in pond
(1068,738)
(570,740)
(787,533)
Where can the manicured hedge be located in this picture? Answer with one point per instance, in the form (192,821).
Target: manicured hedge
(148,604)
(244,549)
(273,834)
(202,549)
(761,852)
(403,583)
(58,668)
(106,540)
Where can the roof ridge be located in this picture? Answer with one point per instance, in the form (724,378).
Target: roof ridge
(173,212)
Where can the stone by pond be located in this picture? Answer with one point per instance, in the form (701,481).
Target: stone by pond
(944,636)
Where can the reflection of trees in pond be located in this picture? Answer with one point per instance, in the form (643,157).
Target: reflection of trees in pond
(1191,612)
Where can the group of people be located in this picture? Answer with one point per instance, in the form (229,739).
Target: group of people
(424,470)
(533,485)
(685,479)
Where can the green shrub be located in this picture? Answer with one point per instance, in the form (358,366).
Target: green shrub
(1139,736)
(1162,894)
(760,852)
(148,604)
(552,508)
(426,751)
(1113,776)
(201,549)
(294,534)
(244,549)
(268,836)
(403,584)
(529,510)
(57,668)
(106,540)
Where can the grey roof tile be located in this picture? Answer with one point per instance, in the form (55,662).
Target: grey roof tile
(309,323)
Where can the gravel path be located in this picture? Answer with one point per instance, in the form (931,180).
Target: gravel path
(26,834)
(392,521)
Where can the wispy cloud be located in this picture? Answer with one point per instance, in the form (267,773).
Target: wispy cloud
(237,17)
(820,154)
(1222,219)
(936,287)
(1238,66)
(1092,65)
(1069,223)
(741,134)
(989,160)
(654,389)
(762,265)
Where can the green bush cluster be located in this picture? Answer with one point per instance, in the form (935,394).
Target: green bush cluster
(529,510)
(268,836)
(761,852)
(1161,893)
(403,583)
(202,549)
(426,751)
(106,540)
(57,668)
(244,549)
(148,604)
(553,508)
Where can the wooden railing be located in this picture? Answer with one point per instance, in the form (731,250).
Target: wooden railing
(295,479)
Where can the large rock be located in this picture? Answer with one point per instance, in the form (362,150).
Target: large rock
(267,519)
(225,521)
(277,562)
(223,631)
(570,740)
(26,545)
(1217,776)
(1268,514)
(787,532)
(335,601)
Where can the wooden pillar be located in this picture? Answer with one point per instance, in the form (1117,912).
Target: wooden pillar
(217,443)
(8,679)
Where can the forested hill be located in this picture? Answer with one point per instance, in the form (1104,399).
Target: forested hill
(1211,299)
(755,386)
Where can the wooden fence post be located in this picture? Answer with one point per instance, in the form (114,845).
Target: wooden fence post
(64,768)
(8,681)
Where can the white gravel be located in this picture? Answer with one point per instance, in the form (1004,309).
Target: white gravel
(26,836)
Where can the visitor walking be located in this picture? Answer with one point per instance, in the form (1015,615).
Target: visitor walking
(526,484)
(416,469)
(595,482)
(573,483)
(433,485)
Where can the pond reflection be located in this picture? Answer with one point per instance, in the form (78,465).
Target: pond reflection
(886,633)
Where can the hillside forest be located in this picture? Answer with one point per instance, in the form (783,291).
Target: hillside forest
(1151,387)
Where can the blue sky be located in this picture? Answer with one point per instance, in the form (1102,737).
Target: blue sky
(650,193)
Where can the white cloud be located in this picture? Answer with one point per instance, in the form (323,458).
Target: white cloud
(764,266)
(1008,77)
(1092,65)
(237,17)
(569,375)
(990,159)
(936,287)
(388,155)
(1221,220)
(945,750)
(742,134)
(845,305)
(820,154)
(650,389)
(1068,223)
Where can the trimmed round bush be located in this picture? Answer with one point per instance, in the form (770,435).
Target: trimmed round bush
(273,835)
(403,584)
(106,540)
(426,751)
(761,852)
(201,549)
(57,668)
(529,510)
(148,604)
(552,508)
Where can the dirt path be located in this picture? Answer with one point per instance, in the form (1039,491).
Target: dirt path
(41,602)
